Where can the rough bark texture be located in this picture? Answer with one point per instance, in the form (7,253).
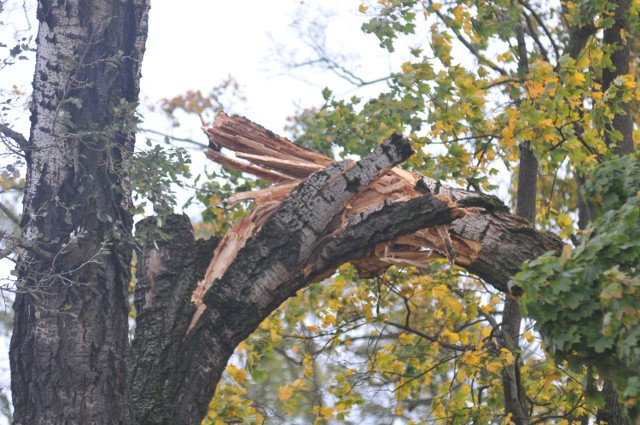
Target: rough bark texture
(515,401)
(70,341)
(614,41)
(613,413)
(166,275)
(178,361)
(287,253)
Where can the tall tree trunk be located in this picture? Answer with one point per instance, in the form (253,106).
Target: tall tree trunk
(619,138)
(616,43)
(515,401)
(69,349)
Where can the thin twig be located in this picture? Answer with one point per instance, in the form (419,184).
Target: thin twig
(177,139)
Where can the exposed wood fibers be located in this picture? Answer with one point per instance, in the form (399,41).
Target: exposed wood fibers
(268,156)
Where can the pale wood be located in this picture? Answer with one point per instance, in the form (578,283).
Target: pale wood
(286,160)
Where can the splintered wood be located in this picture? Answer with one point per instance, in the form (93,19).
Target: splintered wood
(242,145)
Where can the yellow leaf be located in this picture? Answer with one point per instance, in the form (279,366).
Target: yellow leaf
(486,331)
(363,8)
(628,82)
(452,337)
(399,410)
(238,375)
(564,220)
(458,12)
(439,291)
(528,336)
(285,392)
(326,412)
(494,366)
(471,358)
(507,135)
(534,88)
(329,320)
(507,356)
(577,78)
(407,67)
(528,134)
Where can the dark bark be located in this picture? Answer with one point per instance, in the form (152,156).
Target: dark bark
(613,412)
(619,49)
(515,401)
(70,341)
(176,369)
(166,276)
(514,393)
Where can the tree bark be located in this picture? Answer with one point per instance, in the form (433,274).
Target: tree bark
(177,364)
(70,342)
(618,46)
(515,401)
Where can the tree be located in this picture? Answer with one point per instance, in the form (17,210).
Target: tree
(71,360)
(69,348)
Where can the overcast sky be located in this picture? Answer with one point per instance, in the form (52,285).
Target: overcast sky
(199,43)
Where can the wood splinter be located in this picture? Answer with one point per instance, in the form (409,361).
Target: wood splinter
(264,154)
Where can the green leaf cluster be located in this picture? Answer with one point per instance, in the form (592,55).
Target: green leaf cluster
(587,304)
(153,172)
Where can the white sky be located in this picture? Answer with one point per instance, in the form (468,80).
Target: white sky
(200,43)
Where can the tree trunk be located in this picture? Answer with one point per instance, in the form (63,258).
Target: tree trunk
(69,349)
(616,42)
(619,138)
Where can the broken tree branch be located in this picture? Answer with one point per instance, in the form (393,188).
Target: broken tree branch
(470,241)
(298,232)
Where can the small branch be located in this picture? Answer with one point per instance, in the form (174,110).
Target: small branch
(540,22)
(177,139)
(6,251)
(10,214)
(481,58)
(461,348)
(14,135)
(534,35)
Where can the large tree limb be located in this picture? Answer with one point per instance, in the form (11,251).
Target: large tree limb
(476,240)
(299,232)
